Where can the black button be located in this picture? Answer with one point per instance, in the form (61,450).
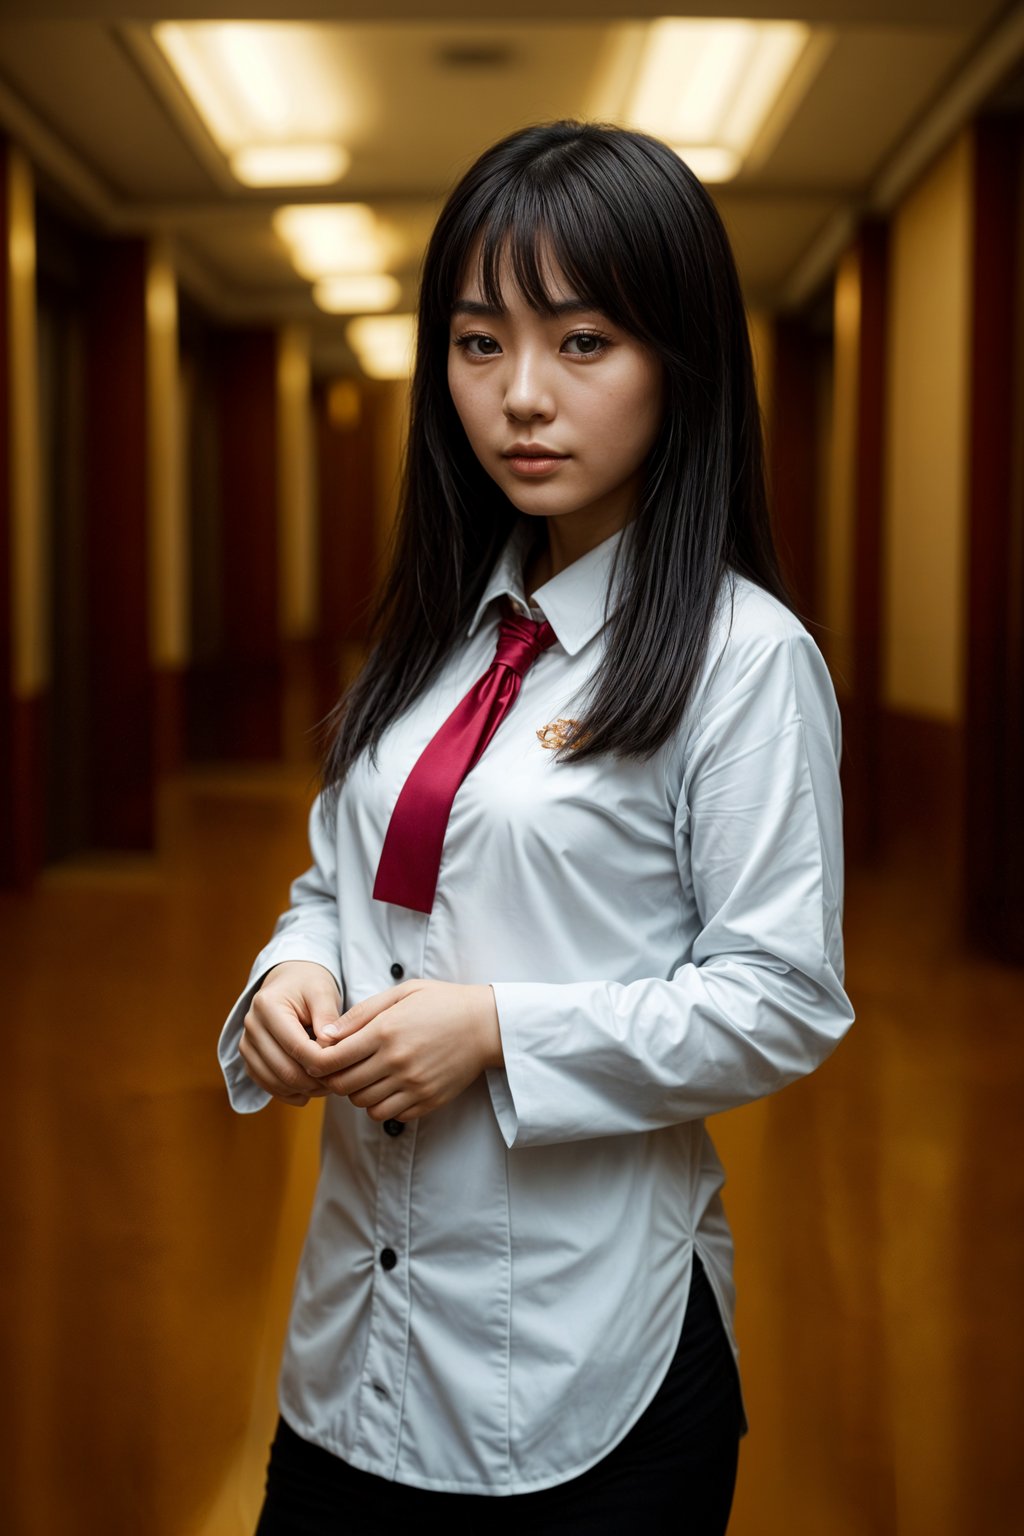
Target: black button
(398,970)
(394,1127)
(388,1258)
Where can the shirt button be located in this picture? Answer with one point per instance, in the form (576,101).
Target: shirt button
(388,1258)
(394,1127)
(397,969)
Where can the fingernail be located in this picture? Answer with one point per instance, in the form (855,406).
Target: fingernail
(330,1032)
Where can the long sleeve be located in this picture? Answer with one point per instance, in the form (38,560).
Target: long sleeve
(758,1000)
(307,930)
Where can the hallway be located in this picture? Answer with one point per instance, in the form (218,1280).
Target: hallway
(211,366)
(875,1205)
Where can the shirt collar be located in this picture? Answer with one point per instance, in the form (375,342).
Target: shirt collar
(572,602)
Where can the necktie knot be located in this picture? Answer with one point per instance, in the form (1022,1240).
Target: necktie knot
(521,640)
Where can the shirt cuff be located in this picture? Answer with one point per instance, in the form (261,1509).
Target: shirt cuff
(503,1104)
(526,1114)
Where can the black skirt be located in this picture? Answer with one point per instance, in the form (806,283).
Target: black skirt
(676,1467)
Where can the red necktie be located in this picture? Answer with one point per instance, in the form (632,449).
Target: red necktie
(409,860)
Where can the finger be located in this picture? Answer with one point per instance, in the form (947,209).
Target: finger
(260,1073)
(283,1036)
(363,1035)
(265,1079)
(355,1063)
(361,1013)
(278,1061)
(400,1105)
(375,1093)
(358,1049)
(323,1019)
(355,1079)
(322,1011)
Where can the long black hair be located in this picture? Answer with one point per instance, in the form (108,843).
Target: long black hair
(640,239)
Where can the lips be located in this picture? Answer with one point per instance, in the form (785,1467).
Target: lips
(532,451)
(535,463)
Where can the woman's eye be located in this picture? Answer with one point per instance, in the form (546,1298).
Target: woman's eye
(592,343)
(464,341)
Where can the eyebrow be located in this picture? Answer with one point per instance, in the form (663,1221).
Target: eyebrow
(563,307)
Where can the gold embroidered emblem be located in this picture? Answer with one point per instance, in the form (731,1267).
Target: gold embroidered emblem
(554,735)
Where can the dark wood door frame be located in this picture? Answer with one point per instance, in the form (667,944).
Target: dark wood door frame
(121,755)
(994,796)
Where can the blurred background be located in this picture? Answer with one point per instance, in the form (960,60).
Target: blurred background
(210,232)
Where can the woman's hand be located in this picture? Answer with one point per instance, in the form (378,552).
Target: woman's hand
(297,996)
(408,1050)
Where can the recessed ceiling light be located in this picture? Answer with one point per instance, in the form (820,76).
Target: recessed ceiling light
(289,165)
(709,162)
(262,86)
(357,294)
(326,239)
(384,344)
(711,84)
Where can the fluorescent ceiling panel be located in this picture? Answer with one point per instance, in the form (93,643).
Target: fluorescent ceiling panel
(263,87)
(708,87)
(331,239)
(360,293)
(290,165)
(384,344)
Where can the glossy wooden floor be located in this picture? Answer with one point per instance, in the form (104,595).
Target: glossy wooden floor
(150,1235)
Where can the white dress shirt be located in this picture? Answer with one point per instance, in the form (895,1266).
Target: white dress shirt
(489,1297)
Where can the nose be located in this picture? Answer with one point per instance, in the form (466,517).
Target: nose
(528,390)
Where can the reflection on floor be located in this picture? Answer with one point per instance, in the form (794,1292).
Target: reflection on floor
(876,1208)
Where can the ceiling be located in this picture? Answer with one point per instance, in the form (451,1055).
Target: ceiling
(110,132)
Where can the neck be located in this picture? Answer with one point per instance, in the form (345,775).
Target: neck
(558,543)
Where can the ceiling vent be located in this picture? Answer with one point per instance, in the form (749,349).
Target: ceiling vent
(471,55)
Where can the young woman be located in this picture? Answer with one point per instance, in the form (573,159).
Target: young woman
(576,885)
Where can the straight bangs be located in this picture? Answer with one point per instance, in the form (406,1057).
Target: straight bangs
(584,241)
(550,208)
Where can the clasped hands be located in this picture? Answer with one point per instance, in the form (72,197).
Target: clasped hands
(398,1054)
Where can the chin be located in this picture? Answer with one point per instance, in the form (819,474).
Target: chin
(535,508)
(540,498)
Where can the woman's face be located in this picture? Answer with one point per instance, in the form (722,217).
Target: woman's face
(574,384)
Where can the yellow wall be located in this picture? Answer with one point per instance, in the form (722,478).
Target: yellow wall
(761,325)
(926,430)
(30,662)
(168,522)
(296,498)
